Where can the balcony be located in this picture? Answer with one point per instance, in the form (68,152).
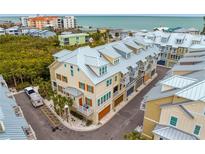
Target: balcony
(85,110)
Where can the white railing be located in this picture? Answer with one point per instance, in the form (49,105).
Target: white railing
(86,110)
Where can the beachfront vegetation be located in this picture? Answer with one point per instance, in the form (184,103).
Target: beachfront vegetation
(24,58)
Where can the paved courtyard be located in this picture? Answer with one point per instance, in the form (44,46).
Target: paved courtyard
(126,120)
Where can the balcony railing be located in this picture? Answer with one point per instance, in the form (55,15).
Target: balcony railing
(85,109)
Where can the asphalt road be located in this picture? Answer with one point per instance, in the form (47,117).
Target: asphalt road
(126,120)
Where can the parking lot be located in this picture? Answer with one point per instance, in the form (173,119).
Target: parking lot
(126,120)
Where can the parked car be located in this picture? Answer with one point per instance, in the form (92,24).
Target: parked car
(35,97)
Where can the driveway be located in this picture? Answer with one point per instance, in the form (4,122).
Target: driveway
(126,120)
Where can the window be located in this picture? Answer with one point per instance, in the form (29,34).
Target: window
(78,69)
(60,88)
(98,102)
(82,85)
(58,76)
(115,78)
(72,72)
(64,79)
(65,65)
(173,121)
(103,70)
(116,61)
(90,88)
(109,82)
(88,101)
(71,66)
(104,98)
(197,129)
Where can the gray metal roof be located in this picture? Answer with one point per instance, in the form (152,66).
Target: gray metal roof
(195,92)
(13,124)
(192,59)
(73,91)
(171,133)
(80,55)
(195,54)
(188,67)
(109,51)
(178,81)
(62,53)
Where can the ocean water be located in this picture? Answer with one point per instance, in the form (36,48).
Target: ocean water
(134,22)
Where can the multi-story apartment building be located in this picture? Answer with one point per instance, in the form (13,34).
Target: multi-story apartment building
(100,79)
(73,39)
(175,107)
(13,125)
(41,22)
(69,22)
(24,21)
(172,45)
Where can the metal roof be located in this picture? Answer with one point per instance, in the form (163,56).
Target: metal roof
(195,92)
(74,35)
(177,81)
(171,133)
(79,57)
(13,124)
(73,91)
(195,54)
(109,51)
(192,59)
(189,67)
(62,53)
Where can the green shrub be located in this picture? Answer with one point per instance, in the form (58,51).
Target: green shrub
(77,115)
(21,86)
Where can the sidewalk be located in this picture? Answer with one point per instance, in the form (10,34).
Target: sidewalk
(79,125)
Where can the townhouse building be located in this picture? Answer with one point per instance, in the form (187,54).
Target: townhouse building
(73,39)
(175,107)
(173,45)
(13,125)
(101,79)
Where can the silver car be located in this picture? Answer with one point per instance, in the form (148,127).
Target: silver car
(35,97)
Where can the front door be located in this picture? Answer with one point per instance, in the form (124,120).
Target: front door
(80,101)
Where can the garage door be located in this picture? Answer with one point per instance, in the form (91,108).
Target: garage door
(118,101)
(104,112)
(153,72)
(130,91)
(146,77)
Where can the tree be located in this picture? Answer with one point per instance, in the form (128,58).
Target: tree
(60,102)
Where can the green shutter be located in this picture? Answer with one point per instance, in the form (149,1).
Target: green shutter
(197,130)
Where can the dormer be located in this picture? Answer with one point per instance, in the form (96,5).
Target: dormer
(133,46)
(123,50)
(180,39)
(110,54)
(97,64)
(165,37)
